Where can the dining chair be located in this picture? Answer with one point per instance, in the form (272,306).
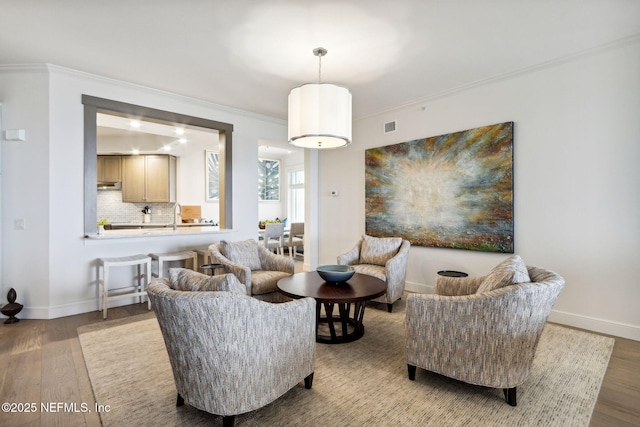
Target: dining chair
(296,238)
(274,237)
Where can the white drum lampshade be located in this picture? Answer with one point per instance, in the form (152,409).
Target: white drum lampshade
(320,116)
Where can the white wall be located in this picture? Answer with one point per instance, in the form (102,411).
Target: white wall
(271,210)
(25,185)
(577,203)
(50,264)
(191,184)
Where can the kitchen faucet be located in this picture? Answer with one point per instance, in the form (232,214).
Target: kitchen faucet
(177,208)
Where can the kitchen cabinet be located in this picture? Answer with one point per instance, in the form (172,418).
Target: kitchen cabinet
(149,179)
(109,168)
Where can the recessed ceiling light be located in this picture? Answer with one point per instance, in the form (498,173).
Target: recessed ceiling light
(167,148)
(135,124)
(183,140)
(135,151)
(179,131)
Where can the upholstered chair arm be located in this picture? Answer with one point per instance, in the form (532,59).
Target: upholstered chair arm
(456,286)
(396,271)
(247,352)
(243,273)
(164,281)
(480,337)
(273,262)
(537,274)
(352,257)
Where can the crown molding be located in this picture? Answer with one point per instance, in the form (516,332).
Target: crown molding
(24,68)
(512,74)
(51,68)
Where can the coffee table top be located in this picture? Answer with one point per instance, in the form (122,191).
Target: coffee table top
(359,288)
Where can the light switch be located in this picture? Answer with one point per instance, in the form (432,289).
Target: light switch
(15,135)
(19,224)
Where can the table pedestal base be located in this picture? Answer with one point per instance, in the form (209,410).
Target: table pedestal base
(342,328)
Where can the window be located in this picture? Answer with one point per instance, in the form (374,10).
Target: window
(268,180)
(212,184)
(296,195)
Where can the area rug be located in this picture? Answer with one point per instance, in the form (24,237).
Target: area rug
(363,383)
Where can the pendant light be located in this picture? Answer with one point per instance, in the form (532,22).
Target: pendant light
(320,113)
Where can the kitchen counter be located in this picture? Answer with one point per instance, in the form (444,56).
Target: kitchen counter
(129,225)
(192,229)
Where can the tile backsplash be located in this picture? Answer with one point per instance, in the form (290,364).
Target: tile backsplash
(111,206)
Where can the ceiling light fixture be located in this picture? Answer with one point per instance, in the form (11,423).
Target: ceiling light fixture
(320,113)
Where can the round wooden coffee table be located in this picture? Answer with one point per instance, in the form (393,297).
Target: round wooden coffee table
(347,326)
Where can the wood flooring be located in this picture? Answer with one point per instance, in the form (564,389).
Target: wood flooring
(41,362)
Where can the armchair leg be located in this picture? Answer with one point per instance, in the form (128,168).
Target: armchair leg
(227,421)
(412,372)
(389,307)
(308,381)
(510,395)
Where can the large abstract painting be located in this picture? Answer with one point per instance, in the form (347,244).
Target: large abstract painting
(447,191)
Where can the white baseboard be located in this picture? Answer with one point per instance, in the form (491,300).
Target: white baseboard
(602,326)
(34,313)
(73,309)
(419,288)
(594,324)
(70,309)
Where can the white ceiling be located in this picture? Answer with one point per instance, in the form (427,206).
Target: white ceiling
(249,54)
(116,135)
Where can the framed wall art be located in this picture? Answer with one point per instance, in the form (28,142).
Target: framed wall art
(447,191)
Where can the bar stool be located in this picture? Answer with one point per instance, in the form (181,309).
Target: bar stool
(205,255)
(105,264)
(173,256)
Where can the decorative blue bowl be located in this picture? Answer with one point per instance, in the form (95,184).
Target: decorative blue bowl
(336,273)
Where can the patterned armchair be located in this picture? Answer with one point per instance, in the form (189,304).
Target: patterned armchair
(384,258)
(482,330)
(255,266)
(230,353)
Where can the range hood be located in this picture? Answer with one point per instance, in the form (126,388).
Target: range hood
(106,185)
